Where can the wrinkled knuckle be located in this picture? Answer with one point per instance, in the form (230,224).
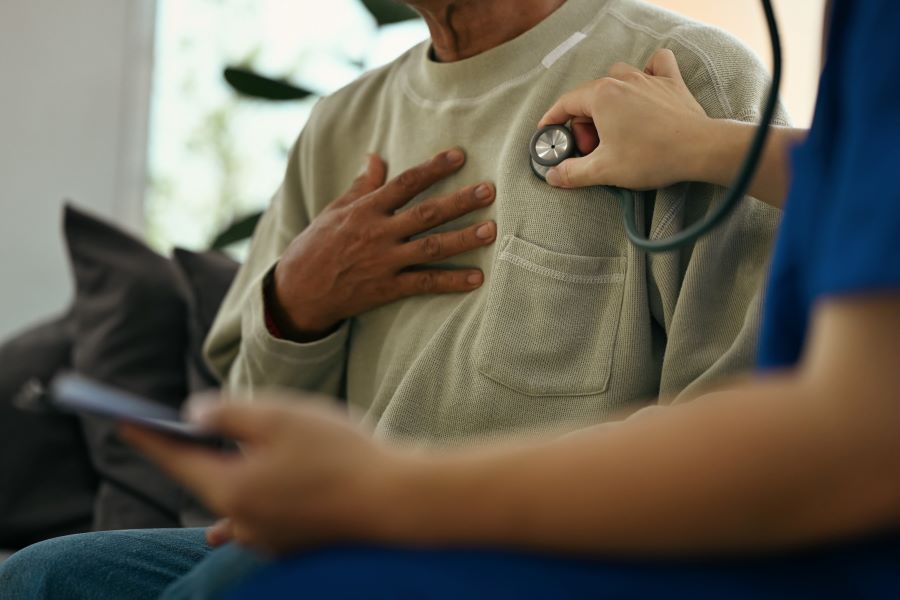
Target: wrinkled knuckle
(431,246)
(633,76)
(427,282)
(425,213)
(408,180)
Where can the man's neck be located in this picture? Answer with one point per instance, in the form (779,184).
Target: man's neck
(463,28)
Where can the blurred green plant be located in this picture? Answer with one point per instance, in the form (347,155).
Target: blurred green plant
(247,82)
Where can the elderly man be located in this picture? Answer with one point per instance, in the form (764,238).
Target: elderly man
(571,324)
(464,297)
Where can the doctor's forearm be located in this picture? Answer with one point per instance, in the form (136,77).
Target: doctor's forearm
(760,468)
(728,142)
(791,460)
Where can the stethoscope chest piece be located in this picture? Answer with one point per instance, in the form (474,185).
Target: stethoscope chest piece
(550,146)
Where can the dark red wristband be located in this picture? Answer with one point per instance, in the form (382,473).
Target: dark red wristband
(271,325)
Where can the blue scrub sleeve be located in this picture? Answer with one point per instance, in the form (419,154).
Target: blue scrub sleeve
(860,237)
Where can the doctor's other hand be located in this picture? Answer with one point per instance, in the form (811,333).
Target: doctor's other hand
(305,476)
(357,254)
(636,129)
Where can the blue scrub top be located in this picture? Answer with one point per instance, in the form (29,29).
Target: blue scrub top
(841,230)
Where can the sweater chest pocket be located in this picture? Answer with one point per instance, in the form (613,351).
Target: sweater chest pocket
(551,319)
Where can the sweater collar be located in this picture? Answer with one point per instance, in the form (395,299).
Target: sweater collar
(516,59)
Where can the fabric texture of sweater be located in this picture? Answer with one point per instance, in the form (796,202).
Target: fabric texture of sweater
(573,324)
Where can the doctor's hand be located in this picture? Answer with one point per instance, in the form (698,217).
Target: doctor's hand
(636,129)
(357,255)
(304,475)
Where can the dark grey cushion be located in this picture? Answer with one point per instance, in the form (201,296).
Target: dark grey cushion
(130,332)
(47,484)
(205,279)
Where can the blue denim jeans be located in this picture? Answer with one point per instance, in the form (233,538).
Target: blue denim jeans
(137,564)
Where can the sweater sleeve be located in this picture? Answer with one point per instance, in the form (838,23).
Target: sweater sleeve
(707,297)
(240,347)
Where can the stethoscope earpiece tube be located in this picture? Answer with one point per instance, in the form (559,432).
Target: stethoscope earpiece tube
(736,191)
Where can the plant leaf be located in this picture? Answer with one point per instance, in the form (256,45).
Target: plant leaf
(240,230)
(252,84)
(389,11)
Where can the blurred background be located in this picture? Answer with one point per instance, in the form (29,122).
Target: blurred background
(123,106)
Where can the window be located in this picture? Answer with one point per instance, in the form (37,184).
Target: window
(214,155)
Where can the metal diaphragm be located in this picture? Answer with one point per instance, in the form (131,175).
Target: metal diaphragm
(550,146)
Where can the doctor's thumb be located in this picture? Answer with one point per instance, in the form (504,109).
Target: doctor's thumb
(574,173)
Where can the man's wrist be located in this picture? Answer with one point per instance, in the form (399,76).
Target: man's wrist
(280,324)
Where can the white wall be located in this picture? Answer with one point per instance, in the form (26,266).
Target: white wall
(74,94)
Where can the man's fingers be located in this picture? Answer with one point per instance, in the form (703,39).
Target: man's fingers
(371,178)
(576,172)
(203,470)
(439,246)
(412,182)
(436,281)
(437,211)
(664,64)
(575,103)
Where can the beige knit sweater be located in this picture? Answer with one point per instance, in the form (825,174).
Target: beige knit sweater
(573,324)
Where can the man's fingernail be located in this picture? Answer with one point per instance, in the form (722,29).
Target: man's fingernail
(483,191)
(455,156)
(485,232)
(474,278)
(553,178)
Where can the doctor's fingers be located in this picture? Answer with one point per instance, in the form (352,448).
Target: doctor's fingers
(626,72)
(574,103)
(664,64)
(583,101)
(203,470)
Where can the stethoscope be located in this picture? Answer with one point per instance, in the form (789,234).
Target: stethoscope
(553,144)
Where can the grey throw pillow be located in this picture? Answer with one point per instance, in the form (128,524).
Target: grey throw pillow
(130,332)
(205,279)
